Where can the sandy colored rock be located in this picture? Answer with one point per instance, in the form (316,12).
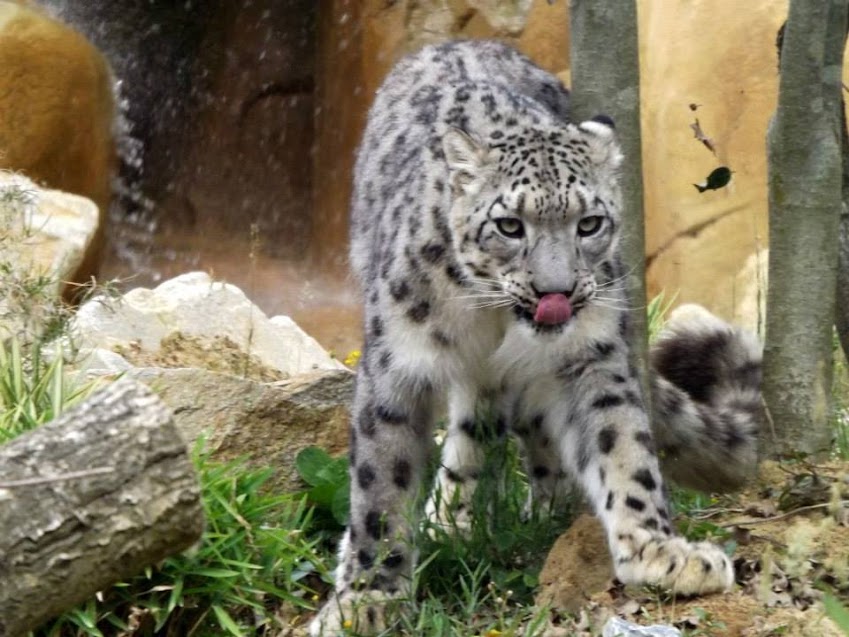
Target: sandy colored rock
(57,118)
(202,310)
(46,237)
(577,567)
(268,423)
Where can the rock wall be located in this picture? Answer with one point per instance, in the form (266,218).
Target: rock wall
(56,111)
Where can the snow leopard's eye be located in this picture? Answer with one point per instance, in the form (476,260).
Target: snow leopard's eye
(590,225)
(510,227)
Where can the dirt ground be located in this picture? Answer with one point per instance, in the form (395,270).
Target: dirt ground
(790,538)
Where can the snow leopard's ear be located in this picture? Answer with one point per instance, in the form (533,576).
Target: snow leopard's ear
(600,134)
(464,155)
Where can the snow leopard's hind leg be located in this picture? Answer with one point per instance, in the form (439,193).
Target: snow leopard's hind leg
(473,424)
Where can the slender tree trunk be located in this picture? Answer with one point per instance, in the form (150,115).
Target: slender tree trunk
(91,499)
(606,80)
(805,183)
(841,314)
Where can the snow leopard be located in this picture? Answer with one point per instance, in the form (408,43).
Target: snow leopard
(484,234)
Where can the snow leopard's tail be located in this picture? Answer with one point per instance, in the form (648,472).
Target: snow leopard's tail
(706,398)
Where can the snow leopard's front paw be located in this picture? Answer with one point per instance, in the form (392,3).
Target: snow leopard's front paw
(673,563)
(366,613)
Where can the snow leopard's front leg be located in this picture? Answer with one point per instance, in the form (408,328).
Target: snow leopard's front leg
(390,440)
(608,445)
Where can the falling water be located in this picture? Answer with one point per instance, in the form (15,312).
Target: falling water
(217,136)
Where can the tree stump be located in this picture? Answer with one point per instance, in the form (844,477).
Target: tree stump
(91,499)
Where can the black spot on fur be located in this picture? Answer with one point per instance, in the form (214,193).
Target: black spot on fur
(376,327)
(707,567)
(433,252)
(399,290)
(609,504)
(365,559)
(603,349)
(635,503)
(374,525)
(672,564)
(371,615)
(644,477)
(608,401)
(394,559)
(606,439)
(541,472)
(365,476)
(476,430)
(454,476)
(536,422)
(453,272)
(644,438)
(440,338)
(401,473)
(419,312)
(693,364)
(389,416)
(623,326)
(633,398)
(651,523)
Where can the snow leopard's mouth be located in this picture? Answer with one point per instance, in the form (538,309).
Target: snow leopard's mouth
(555,321)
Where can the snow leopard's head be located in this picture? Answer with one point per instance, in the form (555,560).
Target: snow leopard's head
(535,216)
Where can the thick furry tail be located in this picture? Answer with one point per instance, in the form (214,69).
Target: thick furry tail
(707,400)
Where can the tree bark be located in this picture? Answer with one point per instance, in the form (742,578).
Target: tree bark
(805,182)
(841,310)
(90,499)
(605,80)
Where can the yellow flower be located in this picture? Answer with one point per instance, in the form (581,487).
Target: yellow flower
(347,624)
(492,632)
(353,358)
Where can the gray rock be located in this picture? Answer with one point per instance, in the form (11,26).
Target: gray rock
(268,423)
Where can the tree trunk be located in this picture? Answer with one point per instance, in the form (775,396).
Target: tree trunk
(606,80)
(805,181)
(841,314)
(90,499)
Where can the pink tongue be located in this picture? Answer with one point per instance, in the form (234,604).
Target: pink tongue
(553,309)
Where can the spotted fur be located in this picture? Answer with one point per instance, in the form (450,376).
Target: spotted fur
(473,199)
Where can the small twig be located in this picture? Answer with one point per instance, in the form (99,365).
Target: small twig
(769,420)
(74,475)
(809,507)
(707,514)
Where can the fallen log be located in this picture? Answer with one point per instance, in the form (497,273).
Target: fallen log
(91,499)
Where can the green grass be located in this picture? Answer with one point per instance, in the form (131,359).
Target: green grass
(253,559)
(479,584)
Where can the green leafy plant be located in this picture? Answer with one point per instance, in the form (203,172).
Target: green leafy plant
(328,480)
(838,613)
(33,391)
(656,313)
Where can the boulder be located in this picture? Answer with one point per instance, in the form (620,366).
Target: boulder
(57,105)
(195,322)
(47,234)
(268,423)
